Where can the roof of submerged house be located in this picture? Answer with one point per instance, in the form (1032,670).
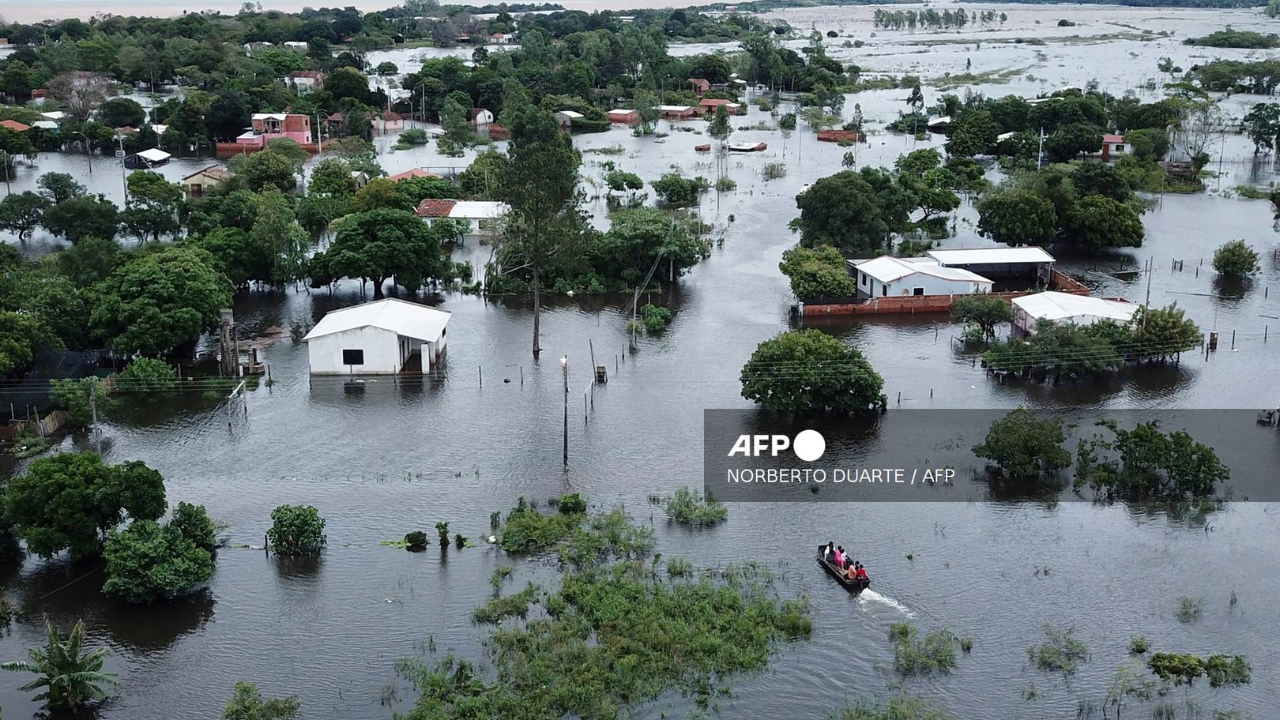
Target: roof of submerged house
(419,322)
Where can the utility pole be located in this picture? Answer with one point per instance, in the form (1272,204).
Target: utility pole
(88,150)
(124,179)
(564,363)
(1040,152)
(93,409)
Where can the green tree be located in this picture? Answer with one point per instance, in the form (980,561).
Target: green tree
(70,501)
(276,232)
(381,244)
(147,561)
(347,82)
(808,370)
(382,193)
(842,210)
(82,217)
(121,112)
(540,183)
(1067,142)
(89,261)
(458,132)
(296,530)
(1164,332)
(265,168)
(58,187)
(247,704)
(332,176)
(1235,259)
(817,273)
(975,132)
(675,189)
(1097,222)
(238,255)
(982,310)
(80,398)
(1017,217)
(147,376)
(637,237)
(1262,125)
(20,337)
(21,213)
(68,680)
(159,301)
(1023,446)
(153,205)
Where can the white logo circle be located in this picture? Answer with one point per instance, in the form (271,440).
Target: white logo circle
(809,445)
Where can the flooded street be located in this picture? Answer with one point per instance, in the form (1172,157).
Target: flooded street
(387,457)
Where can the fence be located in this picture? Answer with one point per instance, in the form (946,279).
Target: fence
(44,427)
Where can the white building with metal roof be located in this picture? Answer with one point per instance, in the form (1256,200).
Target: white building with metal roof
(887,276)
(383,337)
(1030,263)
(1028,310)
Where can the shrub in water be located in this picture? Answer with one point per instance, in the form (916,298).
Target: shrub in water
(296,530)
(415,541)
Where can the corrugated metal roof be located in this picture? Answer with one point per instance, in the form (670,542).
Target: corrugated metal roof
(477,209)
(398,316)
(887,269)
(1058,306)
(974,256)
(154,155)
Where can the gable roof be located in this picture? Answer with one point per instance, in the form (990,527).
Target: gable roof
(412,173)
(888,269)
(15,126)
(401,317)
(1052,305)
(433,208)
(214,172)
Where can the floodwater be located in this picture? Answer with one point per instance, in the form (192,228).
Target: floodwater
(384,458)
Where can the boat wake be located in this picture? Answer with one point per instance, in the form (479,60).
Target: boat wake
(870,595)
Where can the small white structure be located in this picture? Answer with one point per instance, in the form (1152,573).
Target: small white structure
(484,216)
(887,276)
(566,117)
(481,117)
(296,45)
(45,124)
(939,124)
(55,115)
(1067,308)
(383,337)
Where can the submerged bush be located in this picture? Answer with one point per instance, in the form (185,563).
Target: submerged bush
(1060,652)
(914,655)
(690,508)
(415,541)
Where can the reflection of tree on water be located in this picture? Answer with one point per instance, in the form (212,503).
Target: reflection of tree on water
(68,591)
(296,568)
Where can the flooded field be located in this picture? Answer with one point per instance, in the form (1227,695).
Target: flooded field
(389,457)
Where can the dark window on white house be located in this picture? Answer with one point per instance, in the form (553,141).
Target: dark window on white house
(917,291)
(884,290)
(864,279)
(353,357)
(443,331)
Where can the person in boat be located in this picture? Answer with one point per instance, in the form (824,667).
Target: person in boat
(840,558)
(860,573)
(850,573)
(829,552)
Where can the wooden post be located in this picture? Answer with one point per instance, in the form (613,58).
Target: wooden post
(592,347)
(480,370)
(521,376)
(1233,339)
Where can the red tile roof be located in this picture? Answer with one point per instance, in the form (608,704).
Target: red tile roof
(431,208)
(391,116)
(15,126)
(414,173)
(313,74)
(1112,138)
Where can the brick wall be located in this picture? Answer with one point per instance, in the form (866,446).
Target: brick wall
(912,304)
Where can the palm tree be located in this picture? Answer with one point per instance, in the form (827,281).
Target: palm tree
(70,679)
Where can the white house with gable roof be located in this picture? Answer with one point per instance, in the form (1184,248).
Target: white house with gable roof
(383,337)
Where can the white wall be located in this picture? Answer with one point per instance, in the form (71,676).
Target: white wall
(906,286)
(381,352)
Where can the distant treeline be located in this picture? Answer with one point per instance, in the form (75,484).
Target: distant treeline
(756,6)
(1146,3)
(1235,39)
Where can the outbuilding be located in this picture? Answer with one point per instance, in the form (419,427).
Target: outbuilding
(1016,267)
(143,159)
(383,337)
(1066,308)
(677,112)
(888,276)
(566,118)
(198,183)
(624,116)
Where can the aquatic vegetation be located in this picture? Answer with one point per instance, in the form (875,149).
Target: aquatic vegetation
(67,679)
(1190,609)
(915,655)
(773,171)
(607,150)
(897,707)
(415,541)
(247,704)
(528,531)
(1061,651)
(501,608)
(689,507)
(614,636)
(679,567)
(500,574)
(442,530)
(1138,645)
(655,318)
(1185,668)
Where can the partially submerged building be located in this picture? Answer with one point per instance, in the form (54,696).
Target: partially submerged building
(887,276)
(1066,308)
(1011,267)
(383,337)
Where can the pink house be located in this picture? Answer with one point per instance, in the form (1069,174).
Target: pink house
(269,126)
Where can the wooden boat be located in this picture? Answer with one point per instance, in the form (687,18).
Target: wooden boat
(854,586)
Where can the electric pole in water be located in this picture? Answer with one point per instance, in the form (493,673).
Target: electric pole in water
(93,409)
(564,364)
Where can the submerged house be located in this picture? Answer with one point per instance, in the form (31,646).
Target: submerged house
(269,126)
(483,216)
(624,116)
(1015,267)
(198,183)
(1066,308)
(383,337)
(887,276)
